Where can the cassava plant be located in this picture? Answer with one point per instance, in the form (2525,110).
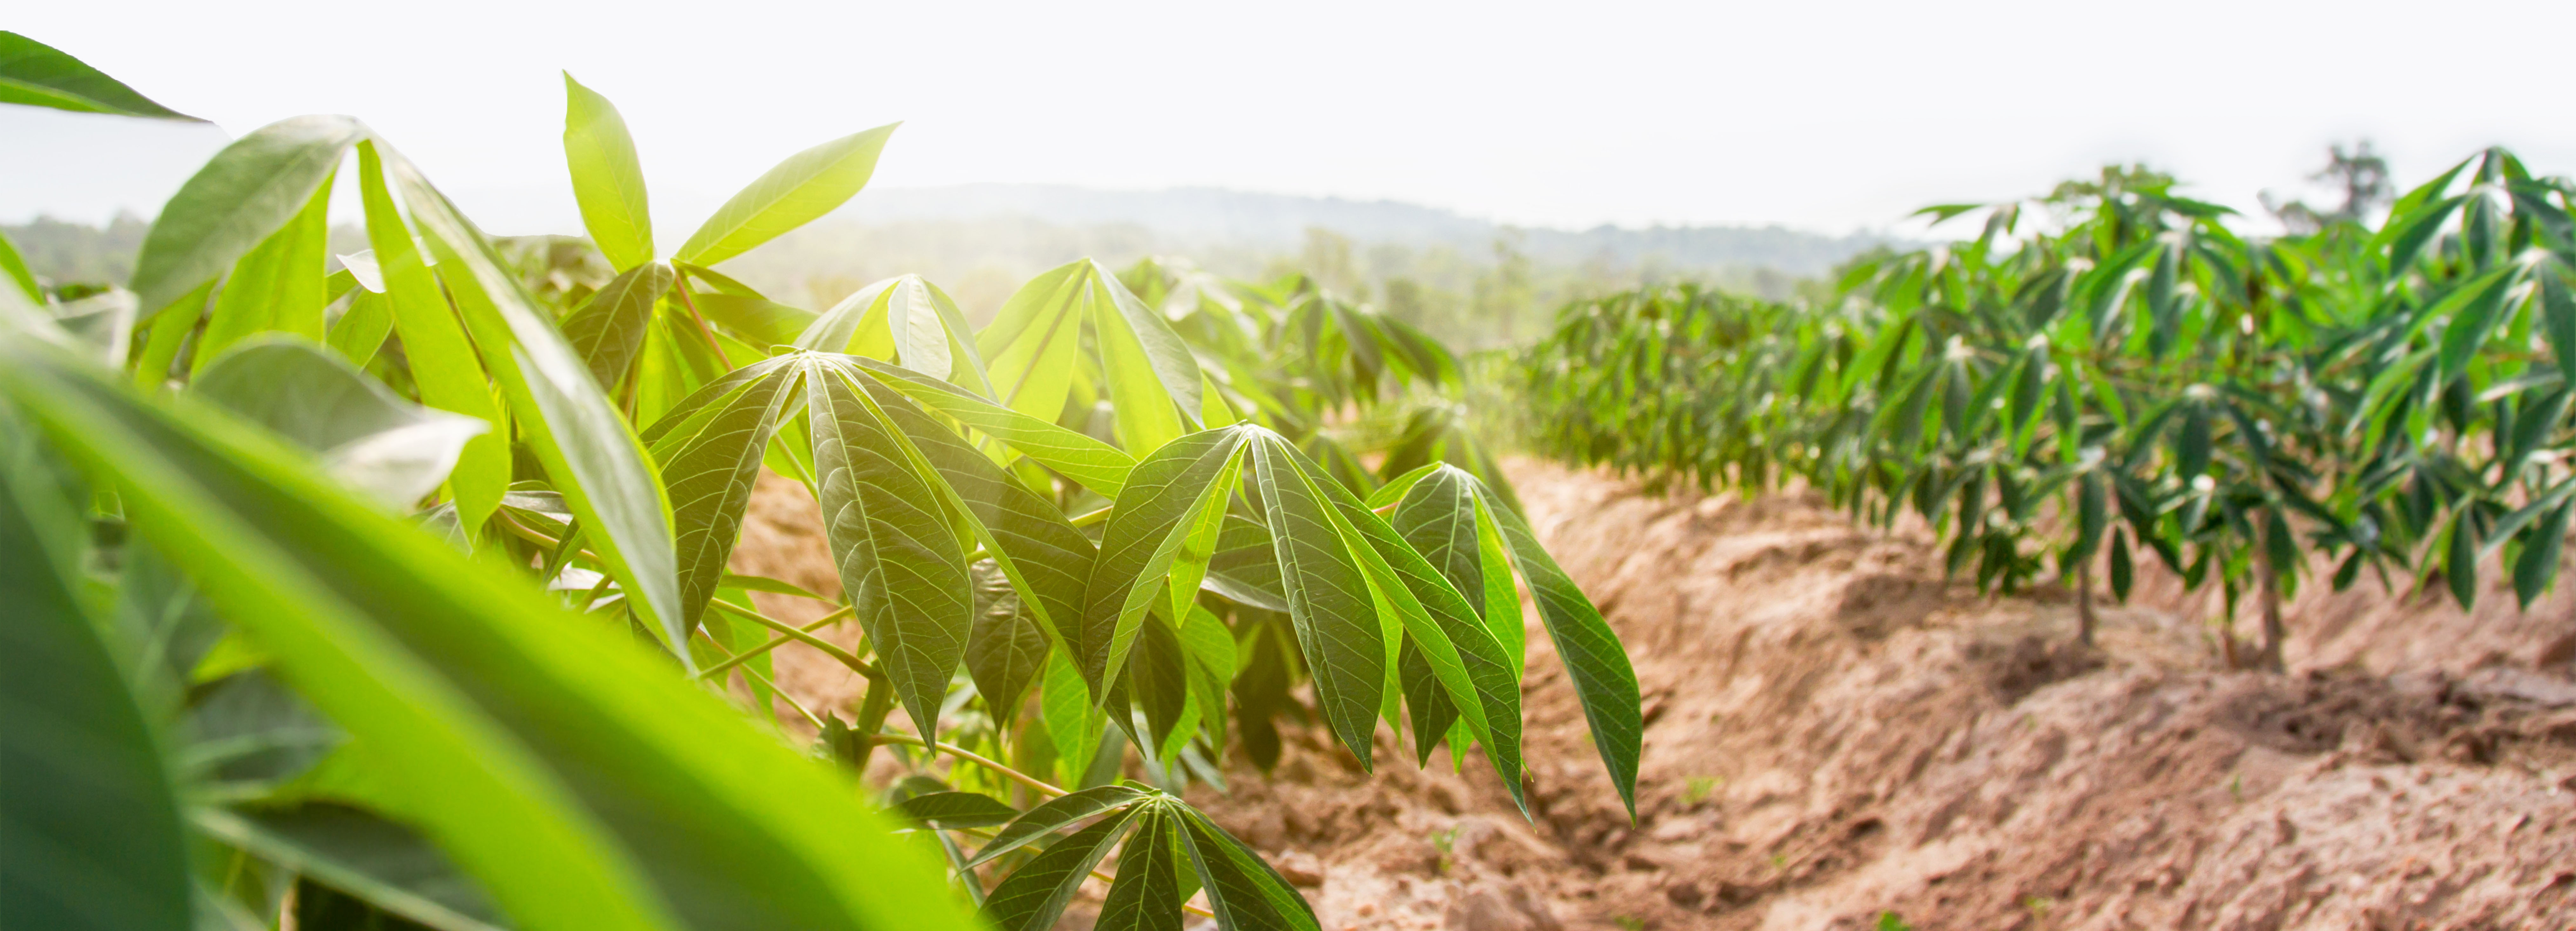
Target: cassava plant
(391,588)
(2111,368)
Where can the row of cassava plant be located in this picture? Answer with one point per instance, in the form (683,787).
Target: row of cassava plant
(391,588)
(2112,369)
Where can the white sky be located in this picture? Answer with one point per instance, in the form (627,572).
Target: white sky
(1821,115)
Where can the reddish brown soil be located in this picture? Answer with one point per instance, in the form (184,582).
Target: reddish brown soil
(1835,733)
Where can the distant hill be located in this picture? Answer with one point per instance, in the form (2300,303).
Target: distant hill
(1244,220)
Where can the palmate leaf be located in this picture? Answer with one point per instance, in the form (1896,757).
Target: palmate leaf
(1149,889)
(1096,465)
(1033,896)
(1349,647)
(907,321)
(1031,348)
(709,478)
(1594,660)
(89,827)
(807,185)
(38,75)
(509,730)
(1146,896)
(607,178)
(586,446)
(1447,631)
(1164,501)
(241,197)
(607,331)
(900,560)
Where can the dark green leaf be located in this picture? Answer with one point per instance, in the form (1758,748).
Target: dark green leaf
(38,75)
(89,828)
(1146,896)
(1033,896)
(361,854)
(902,565)
(607,331)
(946,810)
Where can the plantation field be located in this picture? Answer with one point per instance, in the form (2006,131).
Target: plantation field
(2116,567)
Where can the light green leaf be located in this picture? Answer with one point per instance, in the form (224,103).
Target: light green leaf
(278,286)
(394,450)
(38,75)
(22,281)
(512,731)
(442,360)
(1096,465)
(607,179)
(807,185)
(586,446)
(241,197)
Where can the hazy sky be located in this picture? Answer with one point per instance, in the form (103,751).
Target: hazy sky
(1821,115)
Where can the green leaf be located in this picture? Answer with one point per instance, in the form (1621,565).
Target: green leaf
(278,286)
(946,810)
(709,479)
(19,278)
(363,433)
(2473,322)
(1006,651)
(586,446)
(901,563)
(1146,896)
(1349,646)
(1074,721)
(1055,815)
(1244,892)
(1032,344)
(1033,896)
(607,179)
(89,827)
(1042,557)
(1153,380)
(607,331)
(1603,680)
(38,75)
(509,730)
(2460,566)
(361,330)
(1440,520)
(1096,465)
(807,185)
(442,360)
(1166,498)
(361,854)
(242,196)
(2538,567)
(762,322)
(2558,316)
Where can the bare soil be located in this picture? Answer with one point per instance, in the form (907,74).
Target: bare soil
(1835,733)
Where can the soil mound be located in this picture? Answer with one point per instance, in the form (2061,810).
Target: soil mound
(1835,734)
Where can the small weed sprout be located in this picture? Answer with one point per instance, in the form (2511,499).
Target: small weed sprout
(1698,788)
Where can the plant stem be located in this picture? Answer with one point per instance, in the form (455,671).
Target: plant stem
(776,642)
(2270,596)
(830,649)
(2084,601)
(1040,786)
(680,283)
(1093,517)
